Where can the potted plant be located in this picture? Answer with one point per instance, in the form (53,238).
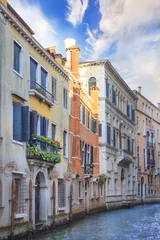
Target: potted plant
(102,179)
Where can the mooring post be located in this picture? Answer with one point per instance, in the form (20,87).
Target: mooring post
(70,203)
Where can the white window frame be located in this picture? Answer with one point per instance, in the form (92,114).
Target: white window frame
(21,58)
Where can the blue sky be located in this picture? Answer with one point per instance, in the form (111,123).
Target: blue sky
(127,32)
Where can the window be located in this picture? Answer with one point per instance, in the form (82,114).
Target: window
(54,88)
(133,115)
(53,131)
(84,115)
(138,156)
(80,113)
(65,98)
(94,125)
(108,135)
(128,145)
(92,82)
(82,146)
(80,189)
(113,96)
(1,193)
(20,122)
(17,57)
(33,73)
(91,156)
(20,194)
(65,143)
(128,110)
(61,194)
(44,126)
(107,89)
(114,137)
(43,78)
(89,120)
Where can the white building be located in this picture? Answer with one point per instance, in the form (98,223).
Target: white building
(117,104)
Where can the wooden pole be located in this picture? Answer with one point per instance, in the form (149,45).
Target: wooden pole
(13,205)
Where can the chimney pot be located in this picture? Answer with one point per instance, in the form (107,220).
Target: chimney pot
(139,89)
(159,105)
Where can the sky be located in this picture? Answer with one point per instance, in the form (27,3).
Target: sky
(127,32)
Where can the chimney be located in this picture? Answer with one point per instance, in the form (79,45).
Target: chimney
(139,89)
(72,56)
(51,50)
(159,105)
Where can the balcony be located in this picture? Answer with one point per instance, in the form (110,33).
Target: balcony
(88,170)
(157,171)
(150,145)
(41,93)
(43,151)
(124,157)
(151,162)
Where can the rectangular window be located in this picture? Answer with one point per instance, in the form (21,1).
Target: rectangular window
(84,115)
(53,131)
(113,96)
(82,152)
(65,143)
(94,125)
(61,194)
(128,144)
(80,189)
(138,157)
(33,73)
(114,137)
(108,135)
(54,88)
(44,126)
(133,115)
(107,89)
(89,120)
(17,57)
(43,78)
(128,110)
(91,156)
(20,194)
(20,122)
(65,98)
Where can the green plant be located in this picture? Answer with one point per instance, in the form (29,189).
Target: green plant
(102,179)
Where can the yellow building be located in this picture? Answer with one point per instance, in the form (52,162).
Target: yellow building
(34,118)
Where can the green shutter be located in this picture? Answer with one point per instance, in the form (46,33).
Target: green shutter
(25,124)
(100,129)
(17,133)
(33,122)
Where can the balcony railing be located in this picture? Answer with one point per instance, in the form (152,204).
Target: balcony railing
(157,171)
(43,150)
(124,157)
(151,162)
(41,92)
(150,145)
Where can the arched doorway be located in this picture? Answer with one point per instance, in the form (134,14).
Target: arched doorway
(40,198)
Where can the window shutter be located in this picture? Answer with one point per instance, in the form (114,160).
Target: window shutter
(42,126)
(133,115)
(25,124)
(43,78)
(45,127)
(127,110)
(33,69)
(33,122)
(94,127)
(17,133)
(100,129)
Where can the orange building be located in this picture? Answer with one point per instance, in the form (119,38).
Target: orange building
(84,139)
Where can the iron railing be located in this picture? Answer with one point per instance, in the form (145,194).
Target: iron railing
(150,145)
(34,85)
(151,162)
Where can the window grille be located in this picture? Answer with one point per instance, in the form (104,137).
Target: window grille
(20,195)
(61,194)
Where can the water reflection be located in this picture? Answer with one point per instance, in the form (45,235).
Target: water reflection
(141,222)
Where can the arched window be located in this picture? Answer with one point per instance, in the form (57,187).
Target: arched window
(152,136)
(92,82)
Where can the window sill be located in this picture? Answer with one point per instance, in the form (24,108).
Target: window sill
(20,75)
(20,215)
(17,142)
(61,209)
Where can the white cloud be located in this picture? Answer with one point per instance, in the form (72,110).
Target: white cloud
(37,21)
(76,11)
(130,24)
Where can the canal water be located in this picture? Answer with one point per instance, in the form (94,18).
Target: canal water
(140,222)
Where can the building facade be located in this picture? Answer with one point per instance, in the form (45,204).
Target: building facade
(148,150)
(34,131)
(88,194)
(117,105)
